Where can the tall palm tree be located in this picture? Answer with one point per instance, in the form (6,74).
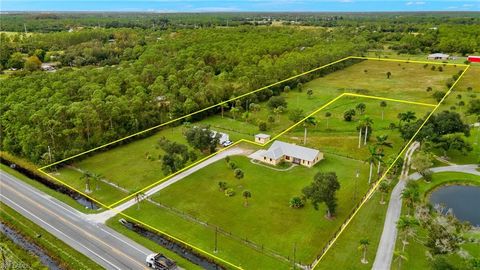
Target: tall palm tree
(310,121)
(138,196)
(373,157)
(96,178)
(223,106)
(400,256)
(365,123)
(328,115)
(383,105)
(363,246)
(411,196)
(383,188)
(246,194)
(234,111)
(406,225)
(382,142)
(277,111)
(87,176)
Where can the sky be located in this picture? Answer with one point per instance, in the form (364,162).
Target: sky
(239,5)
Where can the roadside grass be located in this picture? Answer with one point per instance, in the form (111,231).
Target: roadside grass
(58,195)
(127,166)
(415,250)
(135,165)
(15,256)
(182,262)
(367,224)
(271,191)
(55,248)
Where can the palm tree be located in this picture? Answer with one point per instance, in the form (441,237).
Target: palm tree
(406,117)
(383,188)
(363,246)
(406,226)
(381,143)
(234,112)
(372,159)
(328,115)
(366,123)
(96,178)
(277,111)
(411,196)
(87,176)
(310,121)
(400,256)
(383,104)
(223,106)
(138,196)
(246,194)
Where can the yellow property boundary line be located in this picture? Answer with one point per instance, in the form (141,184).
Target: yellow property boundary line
(345,224)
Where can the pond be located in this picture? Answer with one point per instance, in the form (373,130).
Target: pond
(463,200)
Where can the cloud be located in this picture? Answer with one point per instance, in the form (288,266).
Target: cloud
(415,3)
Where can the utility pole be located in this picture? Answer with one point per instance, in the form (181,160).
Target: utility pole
(25,27)
(49,154)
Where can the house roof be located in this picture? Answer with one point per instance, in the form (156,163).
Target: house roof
(279,149)
(438,55)
(262,136)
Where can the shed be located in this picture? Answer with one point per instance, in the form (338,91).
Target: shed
(262,138)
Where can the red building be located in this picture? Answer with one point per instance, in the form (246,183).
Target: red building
(474,59)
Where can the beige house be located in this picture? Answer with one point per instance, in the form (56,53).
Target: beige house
(281,151)
(262,138)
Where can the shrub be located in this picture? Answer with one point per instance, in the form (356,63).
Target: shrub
(296,202)
(438,95)
(192,155)
(222,185)
(348,115)
(427,175)
(238,173)
(232,165)
(229,192)
(262,126)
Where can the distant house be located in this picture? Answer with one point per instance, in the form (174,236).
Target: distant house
(438,56)
(48,67)
(262,138)
(474,59)
(281,151)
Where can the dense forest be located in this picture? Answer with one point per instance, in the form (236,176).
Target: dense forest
(120,73)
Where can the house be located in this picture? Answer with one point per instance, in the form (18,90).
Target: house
(50,67)
(262,138)
(438,56)
(281,151)
(474,59)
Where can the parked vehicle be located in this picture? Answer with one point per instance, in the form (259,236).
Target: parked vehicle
(159,261)
(226,143)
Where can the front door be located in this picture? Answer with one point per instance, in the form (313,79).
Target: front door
(297,160)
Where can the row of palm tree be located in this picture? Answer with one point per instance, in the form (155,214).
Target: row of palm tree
(377,154)
(88,177)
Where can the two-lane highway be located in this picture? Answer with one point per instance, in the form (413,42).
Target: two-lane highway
(100,243)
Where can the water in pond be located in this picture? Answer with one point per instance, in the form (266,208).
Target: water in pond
(463,200)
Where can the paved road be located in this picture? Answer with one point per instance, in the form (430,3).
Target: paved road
(386,247)
(100,243)
(104,216)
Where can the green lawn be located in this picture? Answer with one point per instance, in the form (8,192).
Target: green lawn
(367,224)
(335,135)
(271,191)
(128,166)
(415,250)
(61,252)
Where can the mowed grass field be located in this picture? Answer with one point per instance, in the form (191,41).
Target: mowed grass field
(335,135)
(268,220)
(128,167)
